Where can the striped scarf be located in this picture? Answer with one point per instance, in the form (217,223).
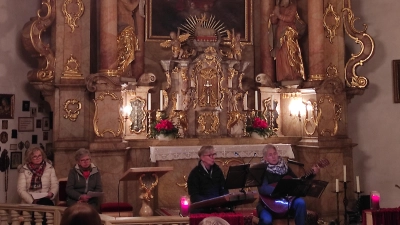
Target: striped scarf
(37,172)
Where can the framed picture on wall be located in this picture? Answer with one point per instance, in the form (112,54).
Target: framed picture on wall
(6,106)
(396,81)
(15,160)
(165,16)
(46,124)
(25,124)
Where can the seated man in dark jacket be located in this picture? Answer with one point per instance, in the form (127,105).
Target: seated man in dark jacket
(206,180)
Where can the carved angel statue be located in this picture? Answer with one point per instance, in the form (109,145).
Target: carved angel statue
(235,46)
(175,43)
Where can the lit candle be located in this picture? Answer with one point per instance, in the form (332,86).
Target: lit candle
(184,206)
(178,102)
(256,100)
(337,185)
(161,100)
(375,198)
(245,101)
(344,173)
(148,101)
(358,184)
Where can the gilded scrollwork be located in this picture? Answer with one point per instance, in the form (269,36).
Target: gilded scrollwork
(127,43)
(208,123)
(72,17)
(32,41)
(367,46)
(312,118)
(331,27)
(234,117)
(337,115)
(115,133)
(331,71)
(72,107)
(72,68)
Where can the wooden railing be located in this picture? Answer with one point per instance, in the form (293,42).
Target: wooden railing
(15,214)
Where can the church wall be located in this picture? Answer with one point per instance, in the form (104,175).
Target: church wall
(14,66)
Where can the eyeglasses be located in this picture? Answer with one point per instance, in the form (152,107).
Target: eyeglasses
(211,155)
(84,160)
(36,156)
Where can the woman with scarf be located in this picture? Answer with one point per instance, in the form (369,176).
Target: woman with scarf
(37,180)
(276,169)
(83,178)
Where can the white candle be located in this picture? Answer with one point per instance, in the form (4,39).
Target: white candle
(192,84)
(337,185)
(256,100)
(358,184)
(148,101)
(178,102)
(344,173)
(245,101)
(229,83)
(161,100)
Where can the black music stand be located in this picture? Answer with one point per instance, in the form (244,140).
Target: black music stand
(242,176)
(298,187)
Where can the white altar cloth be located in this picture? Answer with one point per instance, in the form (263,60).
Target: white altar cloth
(163,153)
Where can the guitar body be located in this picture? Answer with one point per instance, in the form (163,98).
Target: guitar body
(280,206)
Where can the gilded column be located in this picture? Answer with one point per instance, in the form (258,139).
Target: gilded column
(138,64)
(316,37)
(267,62)
(108,35)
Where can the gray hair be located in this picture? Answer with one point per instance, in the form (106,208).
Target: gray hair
(205,149)
(80,153)
(268,147)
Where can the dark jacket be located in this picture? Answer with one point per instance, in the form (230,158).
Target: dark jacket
(203,185)
(77,185)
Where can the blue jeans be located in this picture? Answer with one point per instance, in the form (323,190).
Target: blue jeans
(298,206)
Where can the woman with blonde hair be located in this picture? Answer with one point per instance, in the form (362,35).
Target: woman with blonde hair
(37,180)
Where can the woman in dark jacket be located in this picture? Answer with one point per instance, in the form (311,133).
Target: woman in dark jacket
(82,179)
(206,180)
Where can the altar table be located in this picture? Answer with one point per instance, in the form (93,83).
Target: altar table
(162,153)
(385,216)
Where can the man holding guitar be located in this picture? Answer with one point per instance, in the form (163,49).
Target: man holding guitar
(277,169)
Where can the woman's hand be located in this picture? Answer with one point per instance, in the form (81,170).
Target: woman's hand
(315,169)
(50,195)
(84,198)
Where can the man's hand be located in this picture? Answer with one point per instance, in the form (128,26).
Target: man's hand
(315,169)
(84,198)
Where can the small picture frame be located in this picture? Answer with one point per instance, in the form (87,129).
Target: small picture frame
(25,124)
(39,123)
(4,124)
(13,146)
(396,81)
(46,124)
(26,106)
(15,160)
(33,111)
(7,106)
(45,136)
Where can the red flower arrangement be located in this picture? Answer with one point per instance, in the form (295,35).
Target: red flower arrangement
(260,126)
(164,126)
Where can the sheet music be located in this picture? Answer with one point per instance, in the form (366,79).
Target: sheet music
(95,194)
(38,195)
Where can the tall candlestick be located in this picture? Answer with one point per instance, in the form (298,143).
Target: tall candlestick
(229,83)
(161,100)
(337,185)
(178,102)
(148,101)
(344,173)
(245,101)
(358,184)
(256,100)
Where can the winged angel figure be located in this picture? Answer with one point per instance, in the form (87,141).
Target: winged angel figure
(175,44)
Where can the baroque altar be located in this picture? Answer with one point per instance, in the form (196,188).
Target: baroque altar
(107,81)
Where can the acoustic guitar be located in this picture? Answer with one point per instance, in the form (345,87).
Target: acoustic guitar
(281,205)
